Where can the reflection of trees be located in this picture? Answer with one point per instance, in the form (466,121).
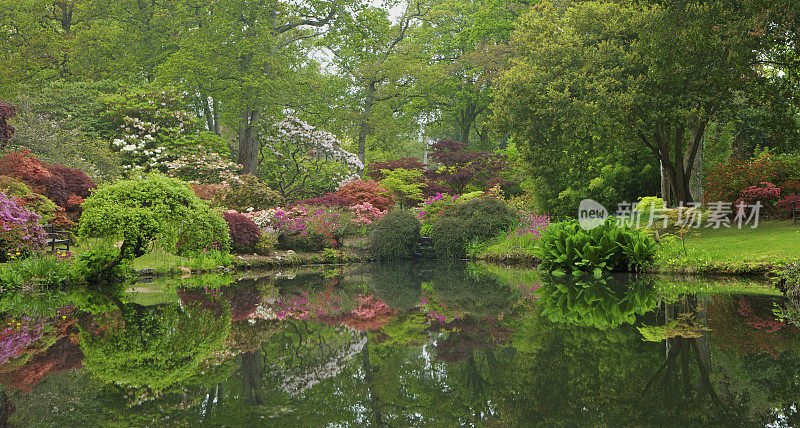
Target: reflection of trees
(158,346)
(685,339)
(306,353)
(7,408)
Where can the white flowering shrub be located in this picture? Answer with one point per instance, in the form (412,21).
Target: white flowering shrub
(300,160)
(154,128)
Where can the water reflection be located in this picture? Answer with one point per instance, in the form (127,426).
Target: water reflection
(399,344)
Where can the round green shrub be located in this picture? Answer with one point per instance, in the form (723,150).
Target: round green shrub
(395,236)
(476,219)
(156,207)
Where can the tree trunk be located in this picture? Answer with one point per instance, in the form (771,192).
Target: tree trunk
(363,128)
(251,378)
(665,190)
(248,144)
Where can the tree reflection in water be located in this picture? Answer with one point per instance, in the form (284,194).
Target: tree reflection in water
(382,345)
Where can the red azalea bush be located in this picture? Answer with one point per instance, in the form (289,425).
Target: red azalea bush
(58,183)
(790,203)
(244,233)
(727,180)
(370,191)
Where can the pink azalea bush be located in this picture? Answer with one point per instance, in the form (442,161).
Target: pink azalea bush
(20,231)
(436,206)
(366,214)
(532,224)
(303,227)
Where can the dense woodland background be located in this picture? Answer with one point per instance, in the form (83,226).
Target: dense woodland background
(585,99)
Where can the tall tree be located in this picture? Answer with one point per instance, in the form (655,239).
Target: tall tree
(649,74)
(382,68)
(238,56)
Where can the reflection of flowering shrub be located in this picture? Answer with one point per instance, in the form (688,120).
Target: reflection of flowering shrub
(302,306)
(17,337)
(296,379)
(527,290)
(438,311)
(748,326)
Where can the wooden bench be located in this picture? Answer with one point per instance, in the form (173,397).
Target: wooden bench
(54,238)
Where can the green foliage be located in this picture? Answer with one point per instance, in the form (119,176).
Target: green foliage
(155,207)
(91,266)
(648,203)
(405,185)
(266,243)
(38,272)
(477,219)
(395,236)
(249,195)
(565,247)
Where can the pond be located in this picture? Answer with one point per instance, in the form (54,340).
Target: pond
(401,345)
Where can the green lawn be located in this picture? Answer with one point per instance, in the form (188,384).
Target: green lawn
(769,241)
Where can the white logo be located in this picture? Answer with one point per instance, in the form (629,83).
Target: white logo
(591,214)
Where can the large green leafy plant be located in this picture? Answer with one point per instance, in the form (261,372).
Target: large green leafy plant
(565,247)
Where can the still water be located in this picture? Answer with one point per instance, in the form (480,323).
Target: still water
(401,345)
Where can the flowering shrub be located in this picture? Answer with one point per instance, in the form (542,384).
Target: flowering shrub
(154,128)
(366,214)
(299,159)
(20,232)
(764,192)
(65,186)
(203,168)
(532,224)
(790,203)
(244,233)
(436,206)
(303,227)
(728,180)
(39,204)
(361,191)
